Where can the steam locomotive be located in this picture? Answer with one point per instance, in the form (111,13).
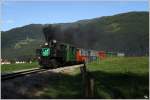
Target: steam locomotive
(55,54)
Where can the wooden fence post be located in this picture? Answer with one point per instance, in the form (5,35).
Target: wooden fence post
(84,80)
(88,83)
(91,87)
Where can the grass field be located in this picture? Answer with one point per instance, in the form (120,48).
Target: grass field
(126,77)
(16,67)
(114,77)
(121,77)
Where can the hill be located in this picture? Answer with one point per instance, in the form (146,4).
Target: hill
(21,41)
(126,32)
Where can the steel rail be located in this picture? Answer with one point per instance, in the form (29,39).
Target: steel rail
(20,73)
(35,70)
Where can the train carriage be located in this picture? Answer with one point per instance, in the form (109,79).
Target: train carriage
(93,55)
(102,55)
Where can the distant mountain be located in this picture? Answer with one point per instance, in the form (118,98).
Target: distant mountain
(126,32)
(21,41)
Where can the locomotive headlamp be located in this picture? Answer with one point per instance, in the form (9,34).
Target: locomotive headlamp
(46,43)
(54,41)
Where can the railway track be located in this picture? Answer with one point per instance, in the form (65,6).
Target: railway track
(20,73)
(35,70)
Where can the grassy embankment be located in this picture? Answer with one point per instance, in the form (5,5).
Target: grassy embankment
(125,77)
(16,67)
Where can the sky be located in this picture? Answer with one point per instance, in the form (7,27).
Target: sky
(20,13)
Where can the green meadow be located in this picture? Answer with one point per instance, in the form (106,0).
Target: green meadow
(121,77)
(15,67)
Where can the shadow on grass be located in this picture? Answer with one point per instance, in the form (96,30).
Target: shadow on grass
(118,85)
(52,85)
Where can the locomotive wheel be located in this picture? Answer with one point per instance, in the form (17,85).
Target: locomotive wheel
(54,63)
(45,67)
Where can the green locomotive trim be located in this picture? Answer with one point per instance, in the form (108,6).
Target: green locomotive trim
(45,52)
